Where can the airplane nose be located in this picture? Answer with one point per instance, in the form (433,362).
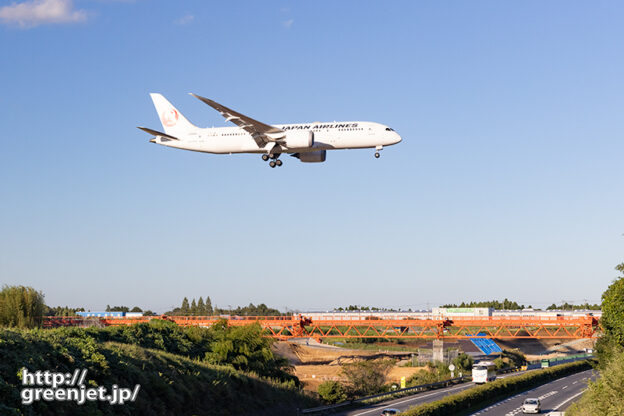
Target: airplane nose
(397,138)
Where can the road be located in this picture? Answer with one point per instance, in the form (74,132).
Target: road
(557,396)
(414,400)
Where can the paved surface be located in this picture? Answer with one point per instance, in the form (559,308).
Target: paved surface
(555,396)
(405,403)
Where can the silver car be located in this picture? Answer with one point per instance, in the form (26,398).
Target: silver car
(532,406)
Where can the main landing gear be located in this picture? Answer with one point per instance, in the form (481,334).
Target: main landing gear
(274,159)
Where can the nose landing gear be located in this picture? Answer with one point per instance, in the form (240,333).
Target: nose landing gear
(378,149)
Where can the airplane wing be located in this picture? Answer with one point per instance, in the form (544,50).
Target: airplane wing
(262,133)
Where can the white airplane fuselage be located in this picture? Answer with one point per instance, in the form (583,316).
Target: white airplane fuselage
(327,136)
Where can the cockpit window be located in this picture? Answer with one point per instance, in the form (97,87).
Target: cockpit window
(389,129)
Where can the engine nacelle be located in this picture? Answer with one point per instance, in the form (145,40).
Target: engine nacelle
(299,139)
(312,157)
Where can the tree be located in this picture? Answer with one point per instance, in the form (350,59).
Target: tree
(366,377)
(605,396)
(194,308)
(463,362)
(117,309)
(201,307)
(208,308)
(148,313)
(136,309)
(613,309)
(185,309)
(332,392)
(21,307)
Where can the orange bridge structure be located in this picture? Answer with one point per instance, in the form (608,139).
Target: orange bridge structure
(298,326)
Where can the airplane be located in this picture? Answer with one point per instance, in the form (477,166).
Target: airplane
(308,142)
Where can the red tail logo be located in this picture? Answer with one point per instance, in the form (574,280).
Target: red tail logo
(169,118)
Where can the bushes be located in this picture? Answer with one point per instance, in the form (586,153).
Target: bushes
(332,392)
(21,307)
(488,393)
(435,372)
(170,383)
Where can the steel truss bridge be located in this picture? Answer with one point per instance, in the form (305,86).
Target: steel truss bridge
(286,327)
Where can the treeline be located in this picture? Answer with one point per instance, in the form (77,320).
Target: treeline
(359,308)
(201,308)
(604,396)
(571,307)
(505,304)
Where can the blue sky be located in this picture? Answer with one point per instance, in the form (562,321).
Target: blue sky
(508,182)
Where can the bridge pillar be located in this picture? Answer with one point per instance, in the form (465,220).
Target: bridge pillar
(438,350)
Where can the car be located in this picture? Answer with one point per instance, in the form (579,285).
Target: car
(532,406)
(390,412)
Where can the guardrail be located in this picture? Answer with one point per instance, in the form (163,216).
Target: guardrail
(422,387)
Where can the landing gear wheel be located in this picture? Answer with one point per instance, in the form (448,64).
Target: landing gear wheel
(278,162)
(265,157)
(272,164)
(377,155)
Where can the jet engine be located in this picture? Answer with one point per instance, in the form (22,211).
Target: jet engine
(312,157)
(298,139)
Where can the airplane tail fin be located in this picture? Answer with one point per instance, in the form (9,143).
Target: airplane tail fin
(172,120)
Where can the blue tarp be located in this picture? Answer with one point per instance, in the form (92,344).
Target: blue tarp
(487,346)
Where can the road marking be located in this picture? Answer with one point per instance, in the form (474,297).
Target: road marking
(564,387)
(575,382)
(568,399)
(408,400)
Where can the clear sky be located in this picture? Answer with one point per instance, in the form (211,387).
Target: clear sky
(508,182)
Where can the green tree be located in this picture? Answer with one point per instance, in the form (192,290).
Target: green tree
(21,307)
(605,396)
(366,377)
(136,309)
(201,307)
(332,392)
(463,362)
(194,310)
(208,309)
(185,308)
(612,320)
(149,313)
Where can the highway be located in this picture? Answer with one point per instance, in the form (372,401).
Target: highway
(405,403)
(555,396)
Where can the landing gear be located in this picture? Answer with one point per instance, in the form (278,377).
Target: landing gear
(275,159)
(378,149)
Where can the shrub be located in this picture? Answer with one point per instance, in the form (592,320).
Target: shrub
(332,392)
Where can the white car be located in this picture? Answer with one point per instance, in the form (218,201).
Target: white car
(532,406)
